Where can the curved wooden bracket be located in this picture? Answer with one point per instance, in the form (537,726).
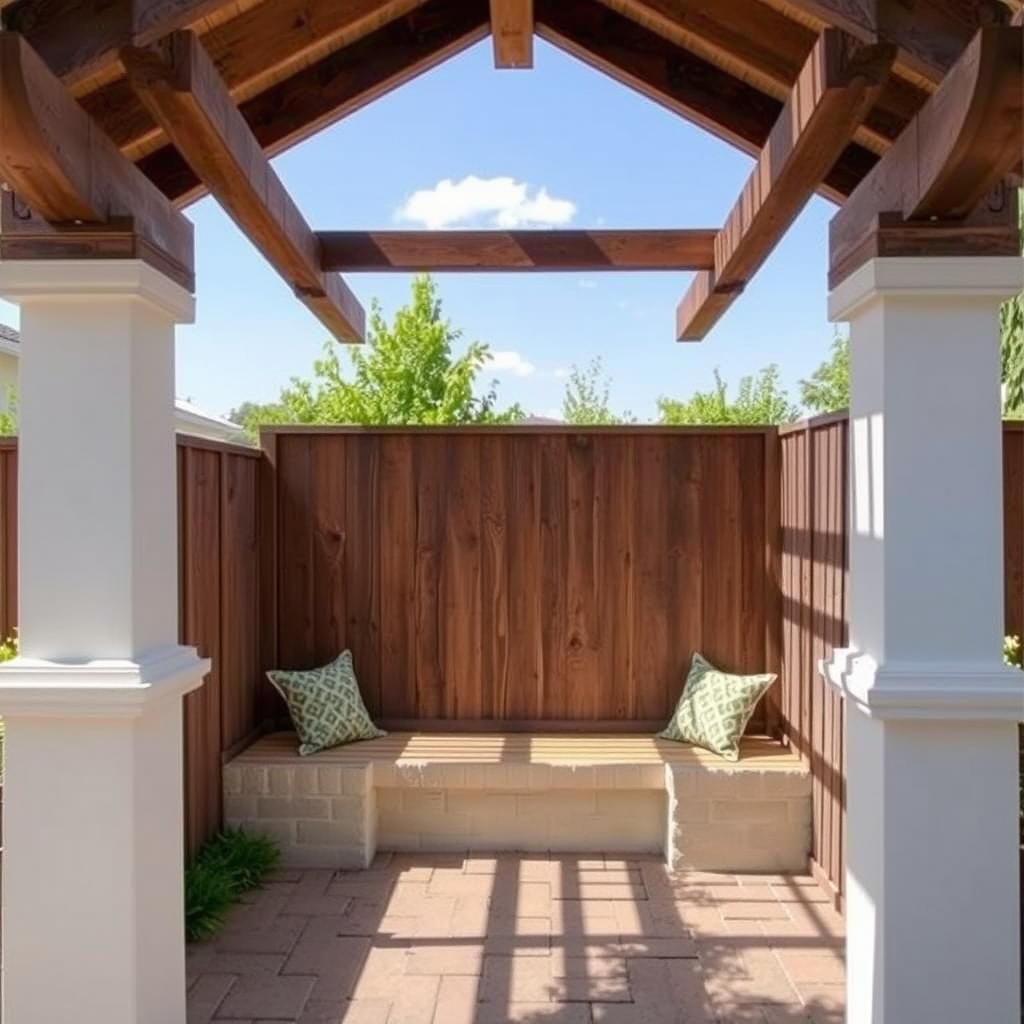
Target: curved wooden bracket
(64,167)
(960,146)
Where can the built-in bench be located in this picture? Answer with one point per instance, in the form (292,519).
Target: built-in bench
(531,792)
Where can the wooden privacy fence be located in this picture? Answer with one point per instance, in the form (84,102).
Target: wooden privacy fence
(519,577)
(552,578)
(815,577)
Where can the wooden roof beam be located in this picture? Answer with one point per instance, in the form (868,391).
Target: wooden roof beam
(338,85)
(74,179)
(680,81)
(413,251)
(929,35)
(179,85)
(512,29)
(760,44)
(839,84)
(252,52)
(942,169)
(80,39)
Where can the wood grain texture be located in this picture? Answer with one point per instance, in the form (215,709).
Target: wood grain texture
(346,80)
(178,84)
(533,576)
(838,86)
(960,146)
(512,29)
(68,172)
(766,47)
(564,250)
(725,105)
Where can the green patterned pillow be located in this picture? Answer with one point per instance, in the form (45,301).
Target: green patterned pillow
(325,704)
(715,707)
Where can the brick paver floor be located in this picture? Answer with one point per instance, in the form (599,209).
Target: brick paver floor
(475,939)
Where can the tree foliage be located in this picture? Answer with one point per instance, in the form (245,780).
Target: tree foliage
(760,399)
(406,374)
(1011,322)
(828,388)
(586,398)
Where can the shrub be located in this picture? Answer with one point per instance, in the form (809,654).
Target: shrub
(226,867)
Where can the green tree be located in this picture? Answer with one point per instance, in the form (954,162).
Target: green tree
(828,388)
(406,374)
(1011,322)
(9,417)
(586,400)
(760,399)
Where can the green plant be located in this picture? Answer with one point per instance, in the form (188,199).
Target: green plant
(227,866)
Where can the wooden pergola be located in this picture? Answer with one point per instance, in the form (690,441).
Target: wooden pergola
(908,114)
(115,114)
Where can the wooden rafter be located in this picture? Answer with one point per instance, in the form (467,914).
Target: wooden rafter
(840,82)
(338,85)
(179,85)
(929,35)
(759,44)
(684,83)
(79,40)
(410,251)
(75,182)
(960,147)
(252,52)
(512,29)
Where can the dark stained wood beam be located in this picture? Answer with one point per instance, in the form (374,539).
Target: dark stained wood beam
(179,85)
(761,45)
(839,84)
(80,39)
(340,84)
(412,251)
(960,147)
(252,52)
(512,29)
(725,105)
(71,176)
(929,35)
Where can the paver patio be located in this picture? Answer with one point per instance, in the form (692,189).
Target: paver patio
(452,939)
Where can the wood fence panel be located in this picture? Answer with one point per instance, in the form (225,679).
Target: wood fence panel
(523,576)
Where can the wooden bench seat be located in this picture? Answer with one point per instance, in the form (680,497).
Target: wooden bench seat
(525,791)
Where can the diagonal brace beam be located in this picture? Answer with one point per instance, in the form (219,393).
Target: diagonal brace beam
(179,85)
(836,89)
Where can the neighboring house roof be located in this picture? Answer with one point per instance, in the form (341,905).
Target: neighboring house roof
(188,418)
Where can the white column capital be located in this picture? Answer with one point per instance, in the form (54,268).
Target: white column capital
(27,281)
(100,688)
(927,691)
(994,278)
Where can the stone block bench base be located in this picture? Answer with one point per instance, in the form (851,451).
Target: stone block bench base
(527,792)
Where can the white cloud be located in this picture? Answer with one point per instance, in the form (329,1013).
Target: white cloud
(502,201)
(511,364)
(587,283)
(561,372)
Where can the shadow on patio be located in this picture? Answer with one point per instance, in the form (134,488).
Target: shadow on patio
(566,939)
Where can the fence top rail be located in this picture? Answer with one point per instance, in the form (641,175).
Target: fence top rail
(814,422)
(513,429)
(207,444)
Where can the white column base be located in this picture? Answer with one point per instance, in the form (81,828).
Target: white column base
(932,907)
(93,925)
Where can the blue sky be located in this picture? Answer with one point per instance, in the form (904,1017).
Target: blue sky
(588,147)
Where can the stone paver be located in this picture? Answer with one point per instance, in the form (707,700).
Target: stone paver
(478,939)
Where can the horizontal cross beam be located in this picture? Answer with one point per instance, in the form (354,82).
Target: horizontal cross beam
(837,87)
(179,85)
(411,251)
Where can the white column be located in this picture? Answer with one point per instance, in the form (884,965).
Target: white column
(932,877)
(92,871)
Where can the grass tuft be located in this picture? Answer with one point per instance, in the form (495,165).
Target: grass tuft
(226,867)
